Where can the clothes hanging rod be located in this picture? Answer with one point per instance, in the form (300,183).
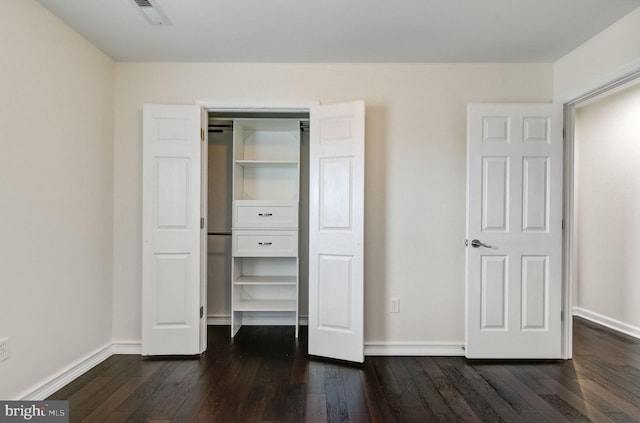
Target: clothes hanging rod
(219,233)
(222,126)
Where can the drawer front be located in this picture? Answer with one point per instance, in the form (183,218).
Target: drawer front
(255,216)
(265,244)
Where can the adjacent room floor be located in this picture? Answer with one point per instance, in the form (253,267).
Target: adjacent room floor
(266,375)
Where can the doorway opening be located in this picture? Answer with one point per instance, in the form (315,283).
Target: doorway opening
(257,164)
(577,242)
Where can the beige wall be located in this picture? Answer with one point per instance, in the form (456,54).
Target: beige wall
(608,206)
(56,168)
(604,58)
(415,171)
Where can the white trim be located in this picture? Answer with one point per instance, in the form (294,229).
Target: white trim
(602,85)
(272,107)
(608,322)
(218,320)
(570,231)
(55,383)
(127,347)
(597,83)
(413,349)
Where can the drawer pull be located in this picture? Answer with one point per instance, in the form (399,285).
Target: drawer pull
(265,214)
(265,243)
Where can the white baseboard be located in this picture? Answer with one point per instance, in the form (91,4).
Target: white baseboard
(608,322)
(72,372)
(48,387)
(127,347)
(409,348)
(218,320)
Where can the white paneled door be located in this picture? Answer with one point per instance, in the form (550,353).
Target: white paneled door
(171,231)
(514,231)
(336,228)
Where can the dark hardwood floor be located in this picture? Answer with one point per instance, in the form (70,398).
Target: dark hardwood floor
(264,375)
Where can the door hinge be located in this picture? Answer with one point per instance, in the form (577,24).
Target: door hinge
(563,224)
(201,134)
(562,316)
(202,223)
(564,134)
(201,312)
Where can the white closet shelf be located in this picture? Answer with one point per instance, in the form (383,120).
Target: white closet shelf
(266,280)
(267,163)
(266,305)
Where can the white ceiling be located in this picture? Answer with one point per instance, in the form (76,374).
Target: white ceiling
(342,30)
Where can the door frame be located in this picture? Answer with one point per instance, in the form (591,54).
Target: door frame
(245,107)
(570,239)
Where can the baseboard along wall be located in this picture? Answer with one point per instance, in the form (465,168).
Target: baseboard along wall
(608,322)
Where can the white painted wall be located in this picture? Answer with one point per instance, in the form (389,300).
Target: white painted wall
(415,171)
(604,58)
(608,206)
(56,168)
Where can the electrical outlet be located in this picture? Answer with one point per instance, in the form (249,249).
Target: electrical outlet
(395,305)
(4,349)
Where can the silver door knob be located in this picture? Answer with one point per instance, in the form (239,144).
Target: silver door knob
(477,244)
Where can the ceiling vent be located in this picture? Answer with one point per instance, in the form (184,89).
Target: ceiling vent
(151,12)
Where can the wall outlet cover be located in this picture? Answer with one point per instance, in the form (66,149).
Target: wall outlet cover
(4,349)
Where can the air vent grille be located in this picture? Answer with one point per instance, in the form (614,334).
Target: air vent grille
(143,3)
(151,12)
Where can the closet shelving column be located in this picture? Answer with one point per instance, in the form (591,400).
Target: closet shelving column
(266,186)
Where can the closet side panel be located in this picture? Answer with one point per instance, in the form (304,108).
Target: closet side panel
(303,221)
(219,224)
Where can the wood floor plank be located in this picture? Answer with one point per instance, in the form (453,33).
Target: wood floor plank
(584,404)
(413,406)
(337,408)
(265,375)
(537,401)
(524,408)
(377,405)
(356,401)
(316,408)
(428,391)
(108,405)
(315,378)
(628,407)
(451,395)
(498,404)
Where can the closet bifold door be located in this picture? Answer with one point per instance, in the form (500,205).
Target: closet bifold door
(171,230)
(266,186)
(336,231)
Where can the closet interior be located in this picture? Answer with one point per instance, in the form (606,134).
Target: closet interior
(257,223)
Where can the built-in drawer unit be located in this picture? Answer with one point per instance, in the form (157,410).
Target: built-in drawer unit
(265,243)
(265,214)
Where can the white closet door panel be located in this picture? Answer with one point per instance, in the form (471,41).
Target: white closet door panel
(336,231)
(171,263)
(494,293)
(535,293)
